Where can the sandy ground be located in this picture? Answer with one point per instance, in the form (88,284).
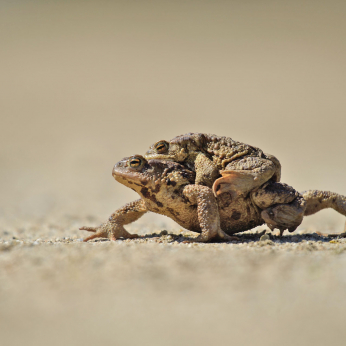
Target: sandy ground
(157,291)
(84,84)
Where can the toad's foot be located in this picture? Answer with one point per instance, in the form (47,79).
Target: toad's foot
(113,228)
(108,230)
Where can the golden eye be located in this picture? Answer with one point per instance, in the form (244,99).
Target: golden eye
(161,147)
(135,162)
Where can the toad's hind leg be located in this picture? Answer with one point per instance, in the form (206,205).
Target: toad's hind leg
(282,209)
(289,216)
(273,193)
(243,176)
(317,200)
(285,216)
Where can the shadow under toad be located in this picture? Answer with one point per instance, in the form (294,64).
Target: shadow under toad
(166,237)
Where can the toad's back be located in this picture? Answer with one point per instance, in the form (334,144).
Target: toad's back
(222,150)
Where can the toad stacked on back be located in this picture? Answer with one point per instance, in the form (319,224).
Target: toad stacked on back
(242,167)
(168,188)
(210,155)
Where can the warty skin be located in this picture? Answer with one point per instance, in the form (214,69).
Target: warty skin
(168,188)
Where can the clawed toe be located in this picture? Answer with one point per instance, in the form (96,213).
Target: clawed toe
(89,229)
(105,232)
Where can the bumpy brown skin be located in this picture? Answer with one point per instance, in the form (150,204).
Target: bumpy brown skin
(168,188)
(222,163)
(210,155)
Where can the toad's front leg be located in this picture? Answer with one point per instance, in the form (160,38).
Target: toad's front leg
(114,227)
(208,213)
(206,171)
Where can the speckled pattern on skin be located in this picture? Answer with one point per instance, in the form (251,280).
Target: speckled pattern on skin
(208,154)
(220,162)
(167,188)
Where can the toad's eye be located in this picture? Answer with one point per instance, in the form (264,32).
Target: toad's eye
(135,162)
(161,147)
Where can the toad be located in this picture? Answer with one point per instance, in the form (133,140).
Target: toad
(212,156)
(168,188)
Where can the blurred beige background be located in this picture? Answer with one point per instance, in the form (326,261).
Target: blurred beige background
(84,84)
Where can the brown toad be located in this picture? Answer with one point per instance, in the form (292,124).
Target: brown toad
(168,188)
(210,155)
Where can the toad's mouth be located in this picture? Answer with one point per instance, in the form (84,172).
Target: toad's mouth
(120,176)
(130,179)
(154,156)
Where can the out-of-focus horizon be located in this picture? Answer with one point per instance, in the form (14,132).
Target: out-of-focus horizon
(84,84)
